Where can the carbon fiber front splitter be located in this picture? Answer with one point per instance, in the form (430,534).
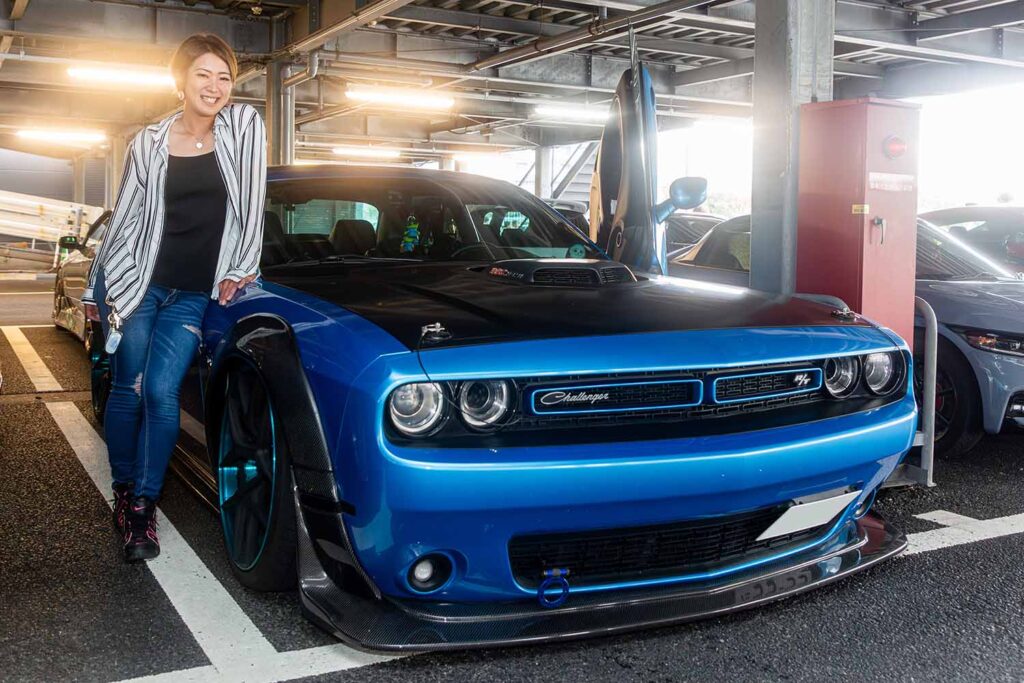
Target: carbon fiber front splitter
(392,625)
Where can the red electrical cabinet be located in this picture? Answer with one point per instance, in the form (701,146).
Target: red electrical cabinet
(857,225)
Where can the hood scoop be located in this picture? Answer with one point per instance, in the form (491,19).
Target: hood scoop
(560,272)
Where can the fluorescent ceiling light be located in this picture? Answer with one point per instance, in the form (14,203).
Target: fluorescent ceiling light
(63,136)
(571,113)
(367,152)
(399,97)
(154,78)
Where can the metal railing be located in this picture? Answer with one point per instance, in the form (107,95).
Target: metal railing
(921,472)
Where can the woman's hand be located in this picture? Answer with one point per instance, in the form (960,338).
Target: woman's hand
(228,288)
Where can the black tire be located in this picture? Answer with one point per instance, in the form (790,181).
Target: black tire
(958,424)
(58,303)
(254,486)
(100,377)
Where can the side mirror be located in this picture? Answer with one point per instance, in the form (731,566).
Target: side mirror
(69,242)
(1014,247)
(683,193)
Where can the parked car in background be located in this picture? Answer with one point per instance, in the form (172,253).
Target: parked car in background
(996,231)
(683,229)
(574,212)
(72,275)
(980,309)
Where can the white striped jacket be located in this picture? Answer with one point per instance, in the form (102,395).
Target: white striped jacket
(129,250)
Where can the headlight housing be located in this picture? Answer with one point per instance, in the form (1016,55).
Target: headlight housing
(994,341)
(881,372)
(841,375)
(483,404)
(417,409)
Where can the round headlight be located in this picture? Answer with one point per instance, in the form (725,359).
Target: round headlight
(417,408)
(484,403)
(841,375)
(880,372)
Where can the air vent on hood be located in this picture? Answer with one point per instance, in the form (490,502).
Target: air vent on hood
(566,277)
(560,272)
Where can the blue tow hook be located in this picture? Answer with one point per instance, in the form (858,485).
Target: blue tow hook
(553,578)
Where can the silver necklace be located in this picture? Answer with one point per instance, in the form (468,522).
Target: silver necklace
(199,140)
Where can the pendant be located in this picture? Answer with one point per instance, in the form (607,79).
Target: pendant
(199,145)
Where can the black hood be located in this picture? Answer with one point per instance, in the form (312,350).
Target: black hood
(476,306)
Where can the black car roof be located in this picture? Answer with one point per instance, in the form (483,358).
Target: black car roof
(343,171)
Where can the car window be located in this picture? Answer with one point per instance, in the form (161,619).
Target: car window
(96,236)
(319,216)
(680,229)
(727,249)
(418,218)
(942,256)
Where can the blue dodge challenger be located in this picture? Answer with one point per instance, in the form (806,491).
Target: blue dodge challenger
(454,421)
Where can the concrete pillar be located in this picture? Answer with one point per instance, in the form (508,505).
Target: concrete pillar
(274,113)
(78,180)
(114,168)
(287,121)
(543,160)
(792,65)
(447,163)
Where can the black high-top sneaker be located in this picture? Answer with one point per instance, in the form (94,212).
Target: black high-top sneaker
(140,539)
(122,496)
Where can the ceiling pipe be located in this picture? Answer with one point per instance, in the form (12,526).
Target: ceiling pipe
(312,68)
(358,18)
(594,32)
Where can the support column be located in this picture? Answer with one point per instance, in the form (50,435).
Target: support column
(78,179)
(288,120)
(447,163)
(543,160)
(113,169)
(274,112)
(792,65)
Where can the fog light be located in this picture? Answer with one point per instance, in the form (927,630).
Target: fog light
(1016,406)
(429,573)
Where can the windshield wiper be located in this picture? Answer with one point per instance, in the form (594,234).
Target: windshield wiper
(361,257)
(981,275)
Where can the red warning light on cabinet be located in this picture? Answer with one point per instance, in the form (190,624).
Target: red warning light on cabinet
(894,147)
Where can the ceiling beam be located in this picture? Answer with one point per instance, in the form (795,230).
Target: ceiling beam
(5,47)
(745,67)
(18,10)
(995,16)
(463,20)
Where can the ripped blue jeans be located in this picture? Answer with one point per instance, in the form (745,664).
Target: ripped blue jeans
(159,342)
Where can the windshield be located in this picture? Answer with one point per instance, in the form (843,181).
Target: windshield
(413,218)
(942,256)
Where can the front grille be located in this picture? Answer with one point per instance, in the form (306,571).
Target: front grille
(654,385)
(616,397)
(611,276)
(639,553)
(763,385)
(565,277)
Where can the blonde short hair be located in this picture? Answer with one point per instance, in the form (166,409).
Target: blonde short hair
(196,46)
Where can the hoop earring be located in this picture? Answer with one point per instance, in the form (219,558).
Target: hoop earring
(181,96)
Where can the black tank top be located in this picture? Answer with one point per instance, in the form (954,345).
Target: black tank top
(195,202)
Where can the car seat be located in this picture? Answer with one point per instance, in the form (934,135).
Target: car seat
(275,243)
(353,236)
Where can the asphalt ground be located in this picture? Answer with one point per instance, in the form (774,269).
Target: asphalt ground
(71,610)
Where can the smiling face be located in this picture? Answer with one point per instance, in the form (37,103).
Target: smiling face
(207,85)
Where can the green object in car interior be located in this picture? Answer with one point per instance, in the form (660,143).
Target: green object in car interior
(411,238)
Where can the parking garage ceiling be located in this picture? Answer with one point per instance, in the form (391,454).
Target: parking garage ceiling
(500,59)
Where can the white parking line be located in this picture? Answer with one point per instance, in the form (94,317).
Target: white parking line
(963,530)
(236,648)
(38,373)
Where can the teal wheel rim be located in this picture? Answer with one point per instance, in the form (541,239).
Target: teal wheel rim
(246,468)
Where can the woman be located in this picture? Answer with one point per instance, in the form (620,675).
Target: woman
(187,227)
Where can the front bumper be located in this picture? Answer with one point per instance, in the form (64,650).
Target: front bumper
(1000,377)
(408,625)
